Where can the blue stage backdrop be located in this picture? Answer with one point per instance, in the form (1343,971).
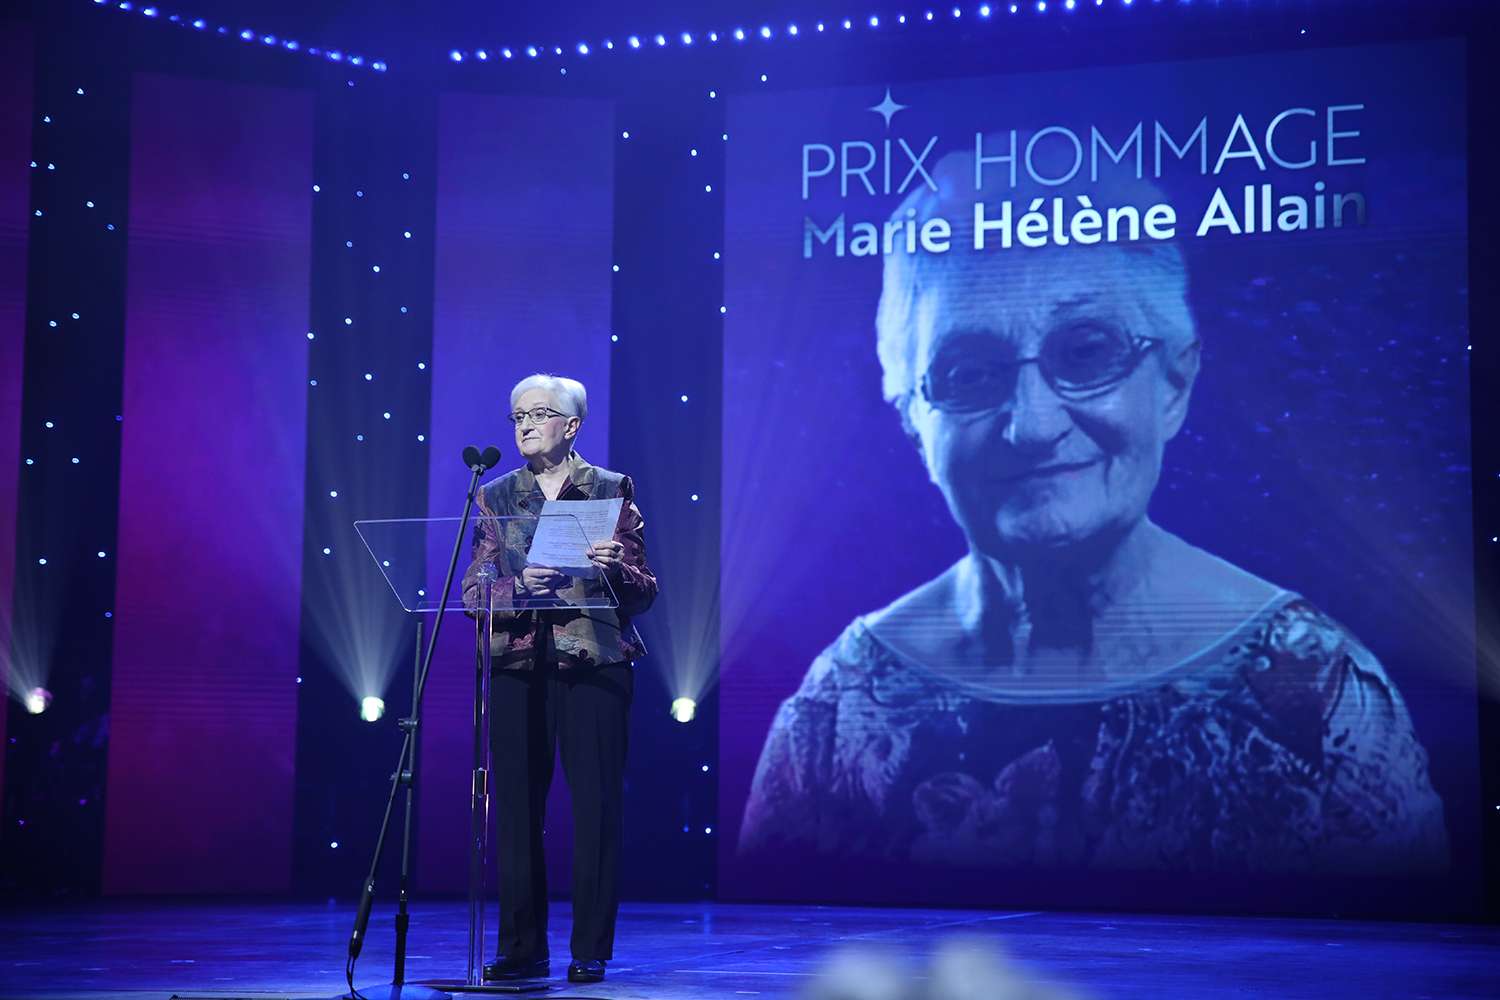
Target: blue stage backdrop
(1060,479)
(1098,504)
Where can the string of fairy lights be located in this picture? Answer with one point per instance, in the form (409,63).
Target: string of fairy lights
(251,36)
(876,22)
(887,23)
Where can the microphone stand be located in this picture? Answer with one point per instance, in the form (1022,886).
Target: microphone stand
(405,776)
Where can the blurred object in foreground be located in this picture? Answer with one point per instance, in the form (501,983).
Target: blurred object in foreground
(962,969)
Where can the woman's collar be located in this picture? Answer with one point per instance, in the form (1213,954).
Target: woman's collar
(581,475)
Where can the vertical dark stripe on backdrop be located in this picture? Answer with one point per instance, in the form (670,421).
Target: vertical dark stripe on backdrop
(16,47)
(367,450)
(74,145)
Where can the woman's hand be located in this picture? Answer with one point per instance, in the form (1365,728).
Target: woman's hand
(543,580)
(609,556)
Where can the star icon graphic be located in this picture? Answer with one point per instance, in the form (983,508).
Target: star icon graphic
(887,108)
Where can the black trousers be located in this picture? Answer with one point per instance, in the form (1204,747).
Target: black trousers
(586,713)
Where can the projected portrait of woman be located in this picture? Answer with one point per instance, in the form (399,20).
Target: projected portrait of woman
(1083,688)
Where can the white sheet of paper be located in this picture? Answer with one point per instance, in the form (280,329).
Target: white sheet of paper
(558,542)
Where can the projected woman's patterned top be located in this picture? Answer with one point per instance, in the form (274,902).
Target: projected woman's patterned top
(1285,749)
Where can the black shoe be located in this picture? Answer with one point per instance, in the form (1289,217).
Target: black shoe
(590,971)
(510,967)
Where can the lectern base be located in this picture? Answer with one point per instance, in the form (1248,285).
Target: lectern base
(458,987)
(406,991)
(437,989)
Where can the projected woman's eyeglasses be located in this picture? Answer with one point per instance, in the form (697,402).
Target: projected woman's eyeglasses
(1075,361)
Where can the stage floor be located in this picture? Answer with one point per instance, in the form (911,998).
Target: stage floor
(678,951)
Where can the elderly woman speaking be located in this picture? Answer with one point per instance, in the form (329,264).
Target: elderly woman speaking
(563,678)
(1083,688)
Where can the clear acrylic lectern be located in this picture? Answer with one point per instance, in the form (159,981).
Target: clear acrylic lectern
(408,552)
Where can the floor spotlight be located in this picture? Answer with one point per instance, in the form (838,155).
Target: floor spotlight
(371,709)
(683,709)
(37,700)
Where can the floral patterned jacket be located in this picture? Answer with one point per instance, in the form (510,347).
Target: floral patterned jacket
(1285,748)
(571,637)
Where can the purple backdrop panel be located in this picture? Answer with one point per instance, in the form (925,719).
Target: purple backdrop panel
(211,489)
(523,285)
(15,193)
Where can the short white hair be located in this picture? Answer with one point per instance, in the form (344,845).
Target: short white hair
(1159,288)
(568,393)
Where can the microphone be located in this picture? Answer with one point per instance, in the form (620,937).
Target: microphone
(361,920)
(478,462)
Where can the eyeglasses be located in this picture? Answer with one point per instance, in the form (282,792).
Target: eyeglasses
(537,415)
(1076,361)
